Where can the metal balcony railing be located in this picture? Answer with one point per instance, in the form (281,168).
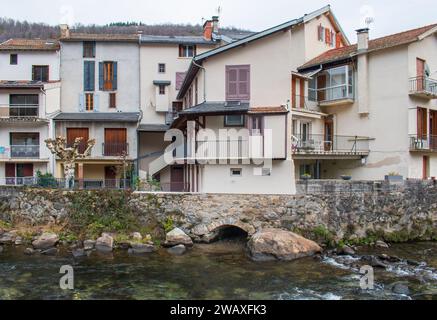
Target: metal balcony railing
(304,103)
(321,144)
(19,111)
(423,85)
(423,142)
(330,94)
(115,149)
(25,151)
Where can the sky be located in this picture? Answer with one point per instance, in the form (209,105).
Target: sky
(390,16)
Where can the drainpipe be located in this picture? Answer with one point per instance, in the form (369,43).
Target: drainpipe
(204,79)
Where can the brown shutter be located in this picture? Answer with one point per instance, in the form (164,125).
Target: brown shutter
(338,40)
(28,170)
(293,92)
(238,83)
(181,50)
(10,170)
(302,93)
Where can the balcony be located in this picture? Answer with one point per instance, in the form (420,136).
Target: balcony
(19,112)
(332,96)
(319,146)
(423,87)
(303,104)
(115,149)
(25,151)
(425,143)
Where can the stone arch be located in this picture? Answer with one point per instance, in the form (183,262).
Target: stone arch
(214,230)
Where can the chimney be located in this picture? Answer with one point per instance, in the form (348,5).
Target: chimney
(207,30)
(363,39)
(65,30)
(215,24)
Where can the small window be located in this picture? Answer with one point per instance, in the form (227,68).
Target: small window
(89,49)
(14,59)
(236,172)
(89,101)
(187,51)
(113,100)
(40,73)
(234,120)
(161,89)
(161,67)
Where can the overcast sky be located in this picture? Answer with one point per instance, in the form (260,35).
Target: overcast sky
(390,15)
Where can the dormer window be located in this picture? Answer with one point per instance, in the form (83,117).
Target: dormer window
(89,49)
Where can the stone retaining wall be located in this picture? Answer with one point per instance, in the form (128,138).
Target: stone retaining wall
(409,212)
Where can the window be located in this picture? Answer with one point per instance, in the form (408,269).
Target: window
(161,89)
(89,75)
(332,84)
(108,76)
(180,77)
(238,83)
(112,100)
(23,105)
(236,172)
(161,67)
(187,51)
(89,101)
(14,59)
(40,73)
(257,125)
(89,49)
(234,120)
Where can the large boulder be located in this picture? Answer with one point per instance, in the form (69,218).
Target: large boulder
(8,238)
(276,244)
(46,241)
(176,237)
(141,248)
(177,250)
(105,243)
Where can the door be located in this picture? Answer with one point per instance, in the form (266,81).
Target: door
(115,142)
(177,179)
(10,173)
(329,135)
(420,66)
(433,129)
(73,133)
(422,129)
(110,177)
(425,168)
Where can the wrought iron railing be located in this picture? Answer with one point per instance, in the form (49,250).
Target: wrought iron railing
(19,111)
(115,149)
(423,142)
(24,151)
(423,84)
(319,143)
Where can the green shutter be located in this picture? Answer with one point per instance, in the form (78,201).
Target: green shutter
(101,76)
(89,76)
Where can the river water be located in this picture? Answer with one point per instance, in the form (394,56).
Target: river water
(216,271)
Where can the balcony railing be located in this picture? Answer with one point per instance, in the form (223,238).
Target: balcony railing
(303,103)
(423,142)
(25,151)
(320,144)
(424,87)
(16,111)
(60,183)
(340,93)
(115,149)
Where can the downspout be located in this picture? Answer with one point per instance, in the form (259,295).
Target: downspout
(204,79)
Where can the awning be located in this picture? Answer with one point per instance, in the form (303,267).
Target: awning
(161,83)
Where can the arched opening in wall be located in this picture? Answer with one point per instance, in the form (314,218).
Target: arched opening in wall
(229,233)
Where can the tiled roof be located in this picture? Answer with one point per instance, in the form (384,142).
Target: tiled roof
(214,108)
(99,116)
(30,44)
(101,37)
(23,84)
(376,44)
(268,110)
(176,40)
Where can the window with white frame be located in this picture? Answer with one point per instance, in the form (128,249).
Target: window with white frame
(332,84)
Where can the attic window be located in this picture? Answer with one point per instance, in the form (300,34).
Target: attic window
(236,172)
(14,59)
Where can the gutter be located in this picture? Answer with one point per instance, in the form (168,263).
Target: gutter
(204,79)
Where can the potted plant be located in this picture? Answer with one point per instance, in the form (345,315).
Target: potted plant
(346,177)
(394,177)
(305,177)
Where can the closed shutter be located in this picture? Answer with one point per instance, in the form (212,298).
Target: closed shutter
(96,103)
(238,83)
(81,102)
(180,77)
(114,79)
(338,41)
(89,76)
(101,74)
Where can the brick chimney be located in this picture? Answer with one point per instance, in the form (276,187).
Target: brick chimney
(65,30)
(363,39)
(207,30)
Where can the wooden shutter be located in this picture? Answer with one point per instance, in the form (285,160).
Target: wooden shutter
(114,75)
(113,100)
(10,170)
(27,170)
(73,133)
(81,102)
(422,128)
(101,75)
(244,83)
(181,50)
(302,93)
(293,92)
(338,40)
(96,103)
(321,86)
(238,83)
(89,75)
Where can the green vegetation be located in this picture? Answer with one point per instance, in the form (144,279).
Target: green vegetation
(46,180)
(168,224)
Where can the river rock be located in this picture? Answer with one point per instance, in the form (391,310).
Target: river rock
(29,251)
(141,248)
(176,237)
(7,238)
(45,241)
(347,251)
(50,252)
(105,243)
(1,249)
(374,262)
(400,288)
(89,245)
(18,241)
(276,244)
(381,244)
(136,236)
(79,253)
(177,250)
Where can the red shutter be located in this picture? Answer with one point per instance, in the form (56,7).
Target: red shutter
(338,40)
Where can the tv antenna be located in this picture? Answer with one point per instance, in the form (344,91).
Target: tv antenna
(219,10)
(368,21)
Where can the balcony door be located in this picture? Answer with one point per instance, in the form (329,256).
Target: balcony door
(115,142)
(73,133)
(433,129)
(420,66)
(16,173)
(177,179)
(329,134)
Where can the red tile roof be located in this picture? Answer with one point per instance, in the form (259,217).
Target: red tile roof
(30,44)
(128,37)
(268,110)
(376,44)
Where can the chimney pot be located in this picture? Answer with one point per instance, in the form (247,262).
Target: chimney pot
(363,39)
(65,30)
